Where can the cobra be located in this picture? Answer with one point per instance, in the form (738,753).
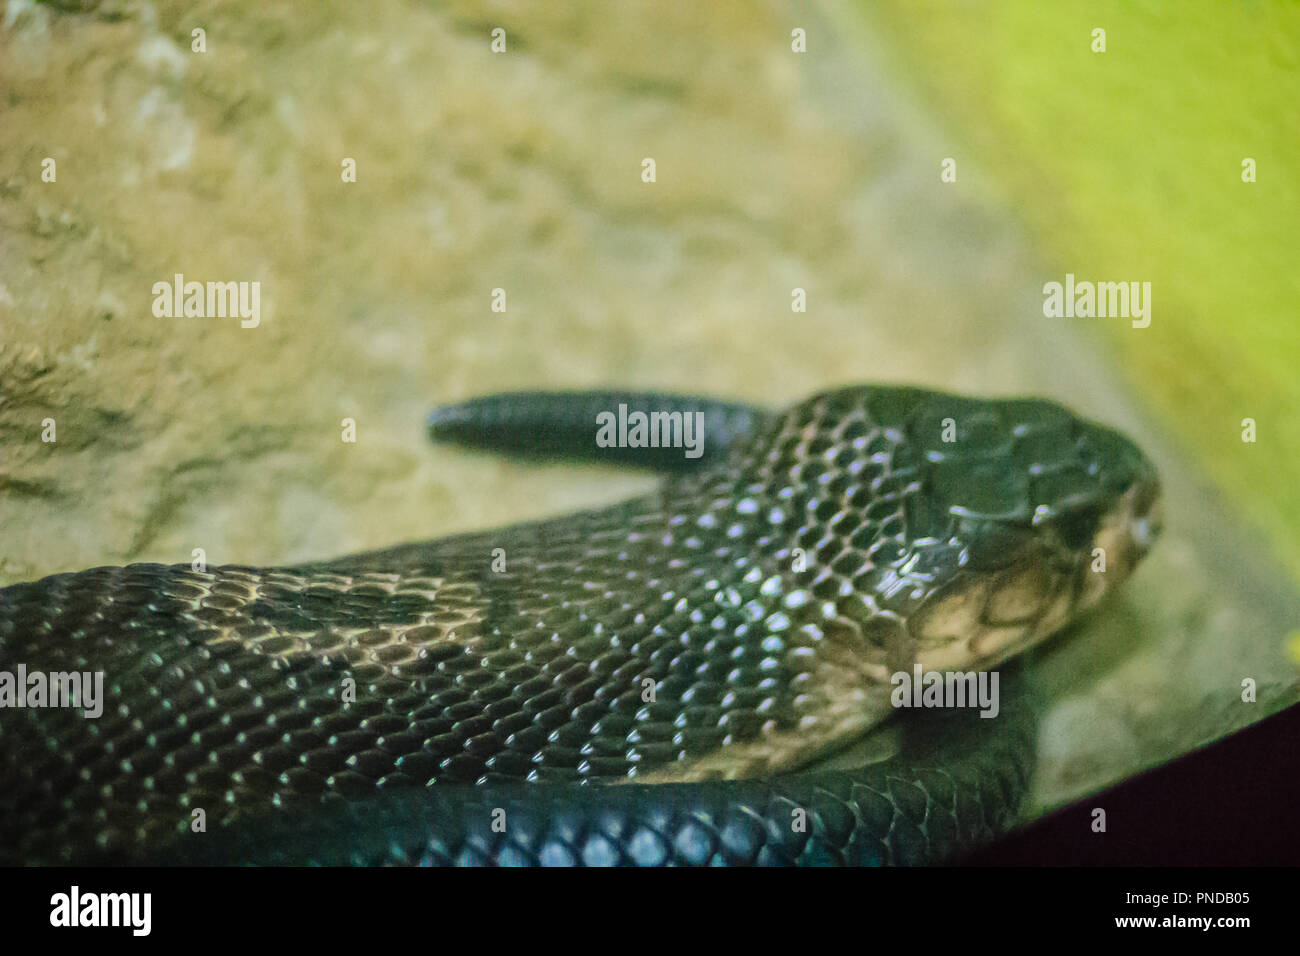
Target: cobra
(662,681)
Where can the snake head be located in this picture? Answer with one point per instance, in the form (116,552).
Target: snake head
(980,526)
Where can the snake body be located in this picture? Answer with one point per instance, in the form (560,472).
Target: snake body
(645,683)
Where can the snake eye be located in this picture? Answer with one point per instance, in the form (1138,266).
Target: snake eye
(1077,526)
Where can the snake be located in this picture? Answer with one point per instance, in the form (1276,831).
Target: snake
(679,678)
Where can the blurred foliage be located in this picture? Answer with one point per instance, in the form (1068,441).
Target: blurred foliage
(1127,165)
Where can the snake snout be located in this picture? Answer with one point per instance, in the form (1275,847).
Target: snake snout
(1134,477)
(1132,513)
(1147,515)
